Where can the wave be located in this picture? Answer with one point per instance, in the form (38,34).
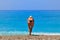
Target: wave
(45,33)
(25,33)
(12,33)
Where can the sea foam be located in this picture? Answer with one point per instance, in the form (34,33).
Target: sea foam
(25,33)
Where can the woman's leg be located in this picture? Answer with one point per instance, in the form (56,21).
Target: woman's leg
(30,29)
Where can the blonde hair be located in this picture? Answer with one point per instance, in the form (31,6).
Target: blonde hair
(30,16)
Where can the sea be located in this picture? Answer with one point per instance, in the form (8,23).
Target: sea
(14,22)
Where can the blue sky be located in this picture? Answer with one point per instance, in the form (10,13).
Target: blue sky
(29,4)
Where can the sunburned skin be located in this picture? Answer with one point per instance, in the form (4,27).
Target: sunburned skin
(30,24)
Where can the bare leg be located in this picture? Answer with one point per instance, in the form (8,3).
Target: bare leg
(30,26)
(30,30)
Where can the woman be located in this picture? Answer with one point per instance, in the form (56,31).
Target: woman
(30,24)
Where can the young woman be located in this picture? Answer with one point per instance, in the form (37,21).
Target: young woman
(30,24)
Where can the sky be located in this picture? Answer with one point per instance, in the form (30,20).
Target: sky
(29,4)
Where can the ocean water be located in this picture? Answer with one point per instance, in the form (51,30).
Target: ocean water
(15,21)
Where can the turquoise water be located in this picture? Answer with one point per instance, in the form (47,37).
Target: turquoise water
(16,20)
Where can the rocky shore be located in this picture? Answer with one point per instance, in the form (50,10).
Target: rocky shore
(34,37)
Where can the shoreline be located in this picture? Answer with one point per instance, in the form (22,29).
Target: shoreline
(2,33)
